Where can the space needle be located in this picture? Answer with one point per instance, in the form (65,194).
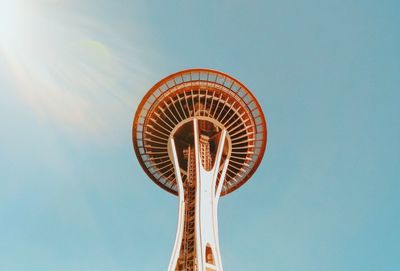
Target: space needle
(199,134)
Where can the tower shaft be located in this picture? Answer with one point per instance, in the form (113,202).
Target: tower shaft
(199,134)
(197,244)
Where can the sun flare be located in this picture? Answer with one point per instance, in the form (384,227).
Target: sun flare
(63,65)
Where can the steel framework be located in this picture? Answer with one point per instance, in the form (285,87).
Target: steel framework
(199,134)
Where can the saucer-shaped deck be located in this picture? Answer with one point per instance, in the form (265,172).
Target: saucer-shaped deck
(217,101)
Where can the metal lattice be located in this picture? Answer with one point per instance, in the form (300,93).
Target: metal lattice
(206,95)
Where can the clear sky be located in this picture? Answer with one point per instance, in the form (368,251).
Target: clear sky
(327,73)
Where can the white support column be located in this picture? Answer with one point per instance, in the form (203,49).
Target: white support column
(207,203)
(207,197)
(181,209)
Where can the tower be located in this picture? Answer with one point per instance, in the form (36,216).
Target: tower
(199,134)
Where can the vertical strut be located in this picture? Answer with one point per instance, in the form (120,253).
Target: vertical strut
(181,208)
(197,243)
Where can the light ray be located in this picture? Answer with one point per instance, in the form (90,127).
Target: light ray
(79,74)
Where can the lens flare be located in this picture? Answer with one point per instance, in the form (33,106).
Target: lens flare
(67,67)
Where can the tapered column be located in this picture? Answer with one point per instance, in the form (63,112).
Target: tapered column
(207,193)
(181,209)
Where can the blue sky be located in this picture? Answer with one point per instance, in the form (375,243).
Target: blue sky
(327,73)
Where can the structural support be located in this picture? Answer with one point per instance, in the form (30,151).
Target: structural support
(199,134)
(197,244)
(181,208)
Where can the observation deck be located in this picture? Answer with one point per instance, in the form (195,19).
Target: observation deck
(219,102)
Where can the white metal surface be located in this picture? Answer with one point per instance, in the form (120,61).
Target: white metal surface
(207,196)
